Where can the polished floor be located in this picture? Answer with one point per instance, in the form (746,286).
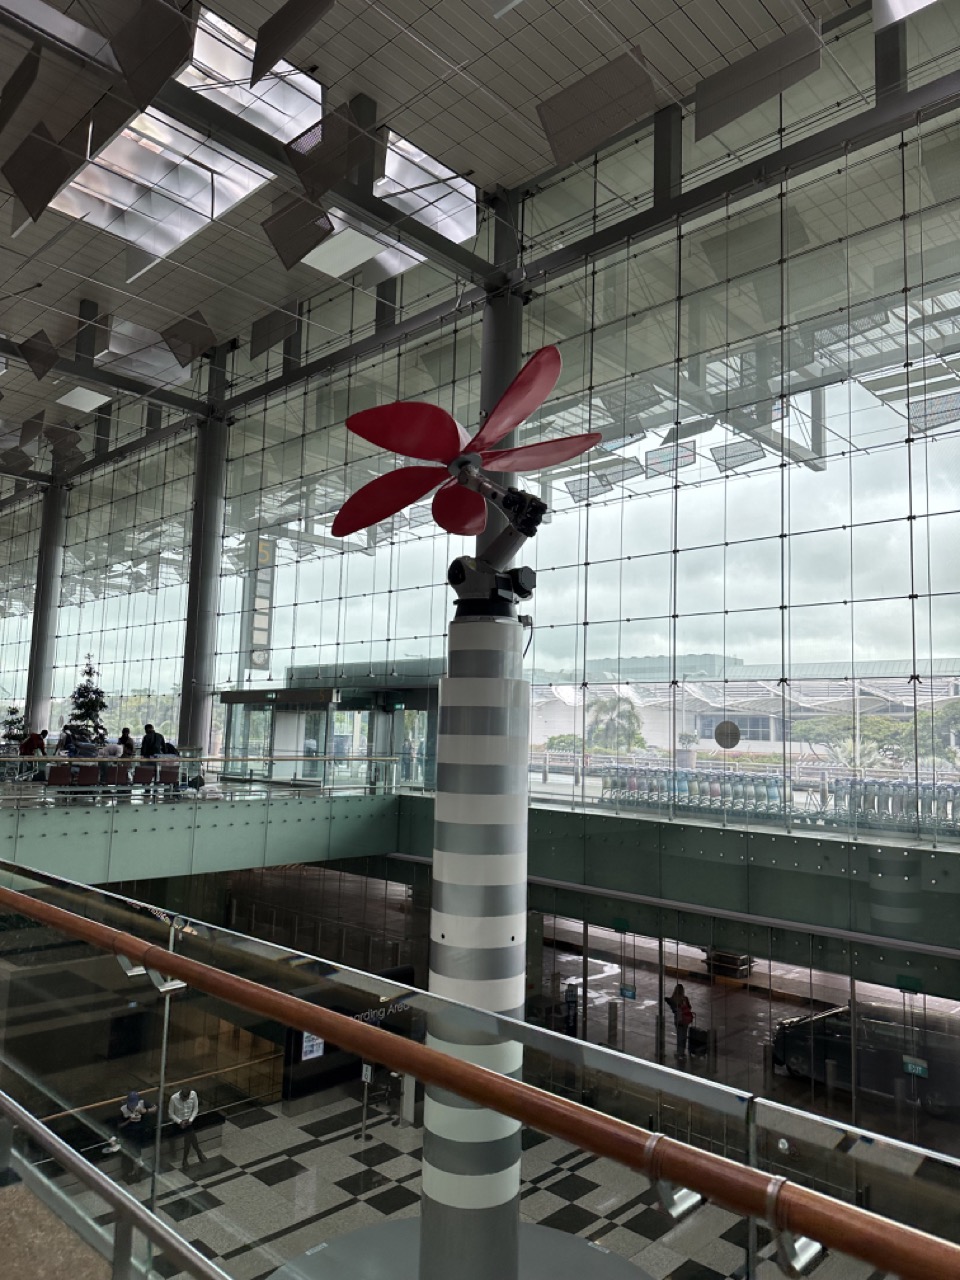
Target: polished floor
(283,1184)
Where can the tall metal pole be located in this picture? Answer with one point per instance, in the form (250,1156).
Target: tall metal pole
(470,1210)
(501,341)
(43,637)
(161,1089)
(209,503)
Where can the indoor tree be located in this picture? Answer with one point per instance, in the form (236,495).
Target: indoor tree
(88,698)
(13,725)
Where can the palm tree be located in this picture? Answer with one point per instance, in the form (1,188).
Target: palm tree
(613,723)
(857,754)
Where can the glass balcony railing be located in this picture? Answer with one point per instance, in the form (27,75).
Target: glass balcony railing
(310,1077)
(38,781)
(63,1216)
(891,804)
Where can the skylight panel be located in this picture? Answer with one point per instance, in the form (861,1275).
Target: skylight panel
(159,182)
(283,104)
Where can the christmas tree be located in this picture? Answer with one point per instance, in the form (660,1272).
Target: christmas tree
(88,698)
(13,726)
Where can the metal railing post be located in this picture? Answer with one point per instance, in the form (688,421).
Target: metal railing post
(6,1144)
(122,1249)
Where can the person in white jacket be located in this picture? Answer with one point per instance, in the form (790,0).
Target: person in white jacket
(184,1106)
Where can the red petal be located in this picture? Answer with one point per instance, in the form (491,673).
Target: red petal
(459,510)
(412,429)
(531,457)
(525,393)
(385,496)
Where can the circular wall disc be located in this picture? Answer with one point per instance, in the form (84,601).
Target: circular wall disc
(726,734)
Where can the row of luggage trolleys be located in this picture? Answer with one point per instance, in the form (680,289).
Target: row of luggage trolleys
(866,802)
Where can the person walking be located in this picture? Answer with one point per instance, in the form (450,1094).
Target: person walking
(184,1108)
(135,1131)
(682,1011)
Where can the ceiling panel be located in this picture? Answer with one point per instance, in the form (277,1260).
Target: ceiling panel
(446,74)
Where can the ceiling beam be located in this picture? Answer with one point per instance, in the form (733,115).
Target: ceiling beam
(30,494)
(28,477)
(198,111)
(104,376)
(159,435)
(42,24)
(897,113)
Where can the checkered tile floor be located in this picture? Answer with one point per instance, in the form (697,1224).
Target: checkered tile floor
(281,1184)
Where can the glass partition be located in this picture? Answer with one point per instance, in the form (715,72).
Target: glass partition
(293,1150)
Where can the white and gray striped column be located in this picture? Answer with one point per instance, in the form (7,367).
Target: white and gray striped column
(470,1211)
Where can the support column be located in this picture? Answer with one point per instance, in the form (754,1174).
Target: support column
(46,601)
(386,305)
(501,346)
(209,501)
(293,345)
(890,61)
(470,1209)
(667,153)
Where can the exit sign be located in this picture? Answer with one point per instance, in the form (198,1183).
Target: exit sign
(914,1066)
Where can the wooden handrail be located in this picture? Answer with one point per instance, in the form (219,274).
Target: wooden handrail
(888,1246)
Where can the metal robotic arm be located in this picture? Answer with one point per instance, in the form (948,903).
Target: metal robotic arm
(489,576)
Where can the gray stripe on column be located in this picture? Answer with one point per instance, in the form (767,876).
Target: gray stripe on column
(479,899)
(477,964)
(484,663)
(481,779)
(458,1031)
(500,722)
(485,666)
(488,837)
(485,1242)
(436,1094)
(471,1158)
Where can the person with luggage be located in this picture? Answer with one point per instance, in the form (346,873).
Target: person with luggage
(683,1017)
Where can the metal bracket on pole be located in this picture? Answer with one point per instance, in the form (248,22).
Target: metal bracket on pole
(678,1202)
(795,1254)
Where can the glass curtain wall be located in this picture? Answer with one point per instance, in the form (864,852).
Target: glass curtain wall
(19,545)
(748,603)
(765,535)
(124,587)
(763,538)
(362,605)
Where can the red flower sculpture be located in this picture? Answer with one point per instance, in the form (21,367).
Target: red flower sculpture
(417,430)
